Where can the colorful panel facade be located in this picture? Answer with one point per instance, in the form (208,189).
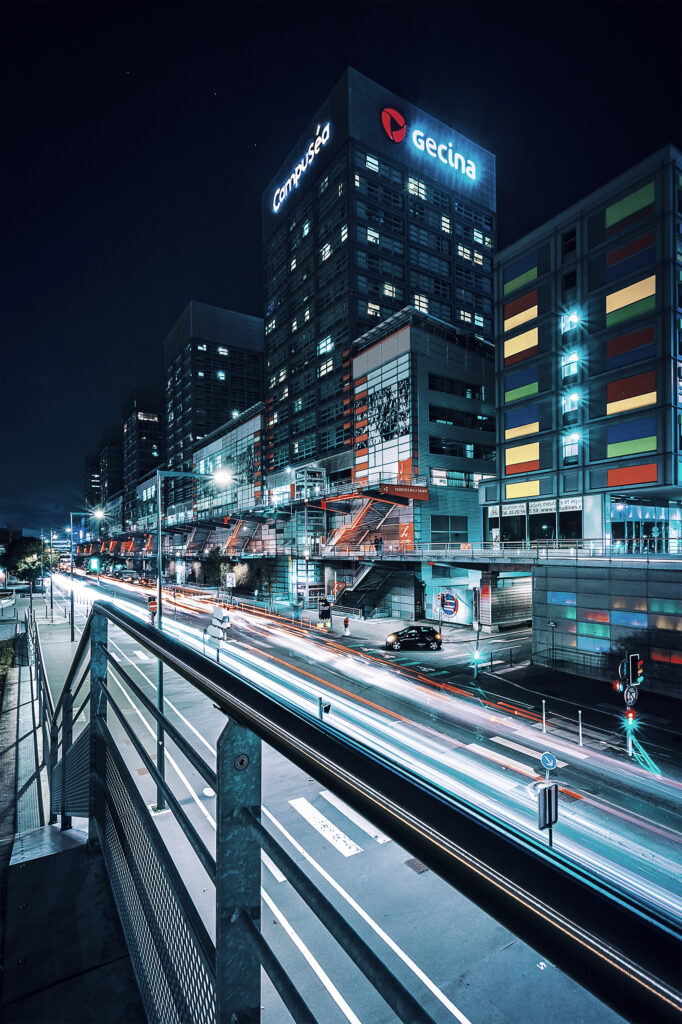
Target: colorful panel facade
(638,204)
(520,311)
(520,273)
(633,437)
(631,393)
(626,349)
(627,259)
(624,475)
(521,384)
(523,458)
(626,303)
(520,422)
(526,489)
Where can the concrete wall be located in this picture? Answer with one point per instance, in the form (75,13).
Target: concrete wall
(603,613)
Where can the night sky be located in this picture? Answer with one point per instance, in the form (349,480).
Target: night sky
(137,140)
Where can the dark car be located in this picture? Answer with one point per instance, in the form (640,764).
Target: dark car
(415,636)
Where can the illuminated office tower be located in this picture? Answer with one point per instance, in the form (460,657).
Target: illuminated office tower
(589,370)
(378,206)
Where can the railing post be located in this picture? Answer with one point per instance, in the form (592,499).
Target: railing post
(52,764)
(98,713)
(67,737)
(238,868)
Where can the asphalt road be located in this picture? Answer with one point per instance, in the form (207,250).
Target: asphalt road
(482,747)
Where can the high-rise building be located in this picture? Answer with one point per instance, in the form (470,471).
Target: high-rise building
(589,370)
(213,361)
(143,421)
(377,206)
(92,481)
(111,463)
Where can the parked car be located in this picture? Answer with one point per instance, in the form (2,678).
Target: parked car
(415,637)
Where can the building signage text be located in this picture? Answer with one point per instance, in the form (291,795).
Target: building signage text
(405,491)
(541,506)
(514,510)
(570,503)
(322,135)
(395,126)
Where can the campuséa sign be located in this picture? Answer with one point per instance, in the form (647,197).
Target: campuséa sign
(322,135)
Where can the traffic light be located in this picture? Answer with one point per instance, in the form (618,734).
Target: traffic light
(442,600)
(635,670)
(630,715)
(617,685)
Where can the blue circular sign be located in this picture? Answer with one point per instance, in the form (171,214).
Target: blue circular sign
(548,760)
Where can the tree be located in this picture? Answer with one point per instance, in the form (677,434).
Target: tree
(216,565)
(23,558)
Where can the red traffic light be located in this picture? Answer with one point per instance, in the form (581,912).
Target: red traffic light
(630,714)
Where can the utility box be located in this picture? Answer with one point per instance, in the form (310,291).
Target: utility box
(548,805)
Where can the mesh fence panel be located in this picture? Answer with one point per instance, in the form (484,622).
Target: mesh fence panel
(174,980)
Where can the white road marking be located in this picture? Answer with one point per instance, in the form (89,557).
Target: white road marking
(523,750)
(301,946)
(325,827)
(272,867)
(493,755)
(416,970)
(356,818)
(141,655)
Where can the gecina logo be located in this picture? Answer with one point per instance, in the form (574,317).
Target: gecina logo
(395,126)
(322,134)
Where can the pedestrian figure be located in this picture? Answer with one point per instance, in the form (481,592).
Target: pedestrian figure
(346,627)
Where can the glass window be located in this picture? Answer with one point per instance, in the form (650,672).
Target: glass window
(389,290)
(325,252)
(326,367)
(306,228)
(372,236)
(445,225)
(344,232)
(373,309)
(421,303)
(570,444)
(372,164)
(569,403)
(416,188)
(569,365)
(568,244)
(220,375)
(326,345)
(294,326)
(292,265)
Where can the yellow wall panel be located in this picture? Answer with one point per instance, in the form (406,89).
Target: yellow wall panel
(525,428)
(527,489)
(521,342)
(521,318)
(522,453)
(633,293)
(636,402)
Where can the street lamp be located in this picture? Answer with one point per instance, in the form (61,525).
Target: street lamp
(220,477)
(98,513)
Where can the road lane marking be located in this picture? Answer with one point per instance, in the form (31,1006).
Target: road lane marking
(524,750)
(376,928)
(308,956)
(325,827)
(356,818)
(141,655)
(502,759)
(272,867)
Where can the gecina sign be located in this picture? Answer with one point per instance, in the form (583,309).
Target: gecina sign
(322,135)
(395,126)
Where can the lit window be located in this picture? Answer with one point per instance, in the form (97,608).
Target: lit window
(223,352)
(285,393)
(324,184)
(306,315)
(200,373)
(569,403)
(294,326)
(340,188)
(325,251)
(326,367)
(569,365)
(478,258)
(344,232)
(445,225)
(357,181)
(373,309)
(464,252)
(488,242)
(569,445)
(326,345)
(389,290)
(569,321)
(298,404)
(270,325)
(465,315)
(416,188)
(468,451)
(421,303)
(372,164)
(220,375)
(306,228)
(201,348)
(292,265)
(372,236)
(478,320)
(478,236)
(282,374)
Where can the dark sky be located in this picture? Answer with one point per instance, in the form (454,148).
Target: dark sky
(137,139)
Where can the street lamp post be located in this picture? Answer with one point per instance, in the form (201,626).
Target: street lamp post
(98,514)
(218,477)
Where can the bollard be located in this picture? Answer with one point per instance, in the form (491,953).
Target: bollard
(511,661)
(544,721)
(491,661)
(580,728)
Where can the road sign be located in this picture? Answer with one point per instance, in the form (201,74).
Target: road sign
(152,604)
(548,760)
(230,580)
(630,695)
(548,805)
(552,625)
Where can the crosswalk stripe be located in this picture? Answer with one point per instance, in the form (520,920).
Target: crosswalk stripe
(523,750)
(141,655)
(356,818)
(272,867)
(325,827)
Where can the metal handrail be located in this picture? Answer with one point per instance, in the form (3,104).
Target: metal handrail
(543,897)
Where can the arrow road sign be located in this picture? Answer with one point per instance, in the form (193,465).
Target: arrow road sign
(548,760)
(630,695)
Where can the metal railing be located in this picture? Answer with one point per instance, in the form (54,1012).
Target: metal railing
(624,952)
